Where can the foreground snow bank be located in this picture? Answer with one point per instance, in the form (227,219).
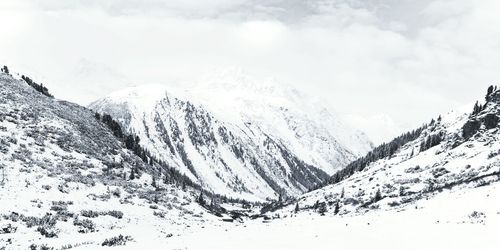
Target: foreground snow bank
(466,219)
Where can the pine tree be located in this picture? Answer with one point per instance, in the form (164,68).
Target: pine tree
(337,208)
(201,200)
(153,183)
(296,208)
(316,205)
(401,191)
(491,121)
(5,70)
(477,108)
(470,128)
(378,196)
(322,209)
(490,91)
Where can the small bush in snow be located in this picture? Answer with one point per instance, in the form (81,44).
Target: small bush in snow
(86,225)
(41,247)
(159,214)
(7,229)
(116,193)
(438,172)
(47,231)
(114,213)
(89,213)
(46,220)
(119,240)
(58,208)
(393,204)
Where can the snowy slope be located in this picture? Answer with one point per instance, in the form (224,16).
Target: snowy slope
(57,162)
(62,186)
(238,137)
(459,163)
(462,219)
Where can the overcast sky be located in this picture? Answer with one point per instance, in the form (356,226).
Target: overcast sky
(385,65)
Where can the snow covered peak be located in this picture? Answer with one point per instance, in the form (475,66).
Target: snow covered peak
(143,96)
(237,135)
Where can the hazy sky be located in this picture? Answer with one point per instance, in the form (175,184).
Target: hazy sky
(386,65)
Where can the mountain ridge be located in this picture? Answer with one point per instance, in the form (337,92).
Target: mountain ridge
(266,140)
(453,152)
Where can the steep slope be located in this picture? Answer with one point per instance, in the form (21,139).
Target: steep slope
(236,137)
(64,179)
(450,156)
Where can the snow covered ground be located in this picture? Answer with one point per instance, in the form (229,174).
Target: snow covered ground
(462,219)
(465,219)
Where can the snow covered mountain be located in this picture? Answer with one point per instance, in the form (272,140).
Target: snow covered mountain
(64,179)
(448,160)
(238,137)
(66,183)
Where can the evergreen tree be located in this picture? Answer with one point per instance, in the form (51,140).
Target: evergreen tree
(378,196)
(132,175)
(401,191)
(201,200)
(490,91)
(296,210)
(153,183)
(337,208)
(491,121)
(470,128)
(5,70)
(322,209)
(477,108)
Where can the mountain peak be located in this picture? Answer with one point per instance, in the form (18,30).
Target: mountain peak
(256,143)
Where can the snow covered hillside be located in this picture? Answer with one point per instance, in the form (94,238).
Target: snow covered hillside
(238,137)
(458,153)
(459,219)
(64,179)
(68,182)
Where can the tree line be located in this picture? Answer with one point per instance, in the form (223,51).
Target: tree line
(132,142)
(388,149)
(383,151)
(38,87)
(165,173)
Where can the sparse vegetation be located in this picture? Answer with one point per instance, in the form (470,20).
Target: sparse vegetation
(85,225)
(119,240)
(38,87)
(7,229)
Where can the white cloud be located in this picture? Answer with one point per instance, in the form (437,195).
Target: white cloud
(380,128)
(410,60)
